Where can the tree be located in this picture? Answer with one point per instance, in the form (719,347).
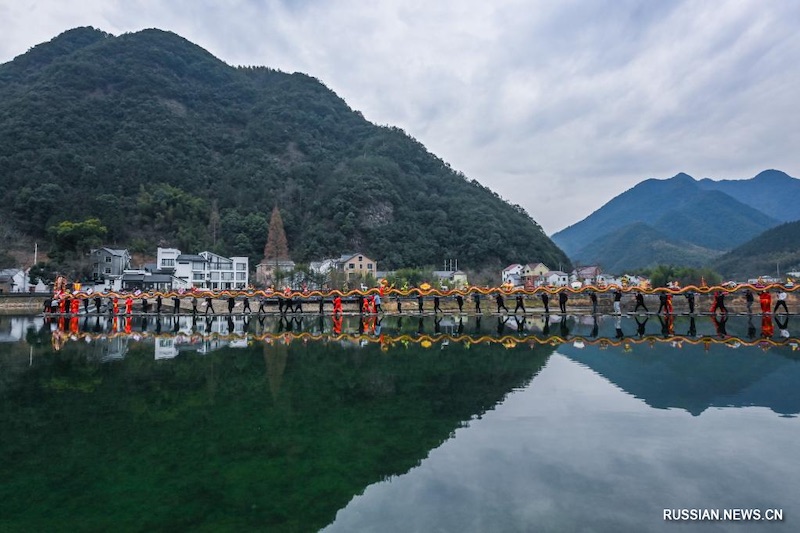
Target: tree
(213,223)
(77,237)
(276,249)
(43,271)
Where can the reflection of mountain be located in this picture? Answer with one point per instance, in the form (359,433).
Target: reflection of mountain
(218,441)
(692,379)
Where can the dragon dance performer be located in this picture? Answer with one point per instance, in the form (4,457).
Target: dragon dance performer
(765,299)
(337,304)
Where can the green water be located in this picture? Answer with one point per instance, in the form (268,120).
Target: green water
(399,424)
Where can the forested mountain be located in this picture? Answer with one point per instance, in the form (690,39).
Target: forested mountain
(639,245)
(166,144)
(772,192)
(774,251)
(674,221)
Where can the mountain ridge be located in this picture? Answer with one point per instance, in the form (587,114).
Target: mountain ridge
(150,133)
(683,211)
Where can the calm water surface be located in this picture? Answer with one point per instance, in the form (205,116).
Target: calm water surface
(400,424)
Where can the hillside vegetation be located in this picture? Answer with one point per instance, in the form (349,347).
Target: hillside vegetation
(774,251)
(159,140)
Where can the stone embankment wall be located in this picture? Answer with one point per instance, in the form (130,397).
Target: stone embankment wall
(22,304)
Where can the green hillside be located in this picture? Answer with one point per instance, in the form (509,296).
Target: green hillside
(775,250)
(156,138)
(712,220)
(637,246)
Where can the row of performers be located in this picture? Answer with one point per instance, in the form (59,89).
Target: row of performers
(372,303)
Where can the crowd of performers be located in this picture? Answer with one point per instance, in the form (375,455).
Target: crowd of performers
(371,301)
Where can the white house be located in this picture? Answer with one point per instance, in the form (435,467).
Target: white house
(13,280)
(556,278)
(456,278)
(205,270)
(588,275)
(166,258)
(512,274)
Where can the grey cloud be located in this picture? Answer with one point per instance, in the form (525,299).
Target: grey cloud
(546,102)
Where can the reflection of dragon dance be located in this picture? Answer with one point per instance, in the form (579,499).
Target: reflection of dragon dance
(66,333)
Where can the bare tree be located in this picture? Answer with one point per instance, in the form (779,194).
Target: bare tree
(276,249)
(213,222)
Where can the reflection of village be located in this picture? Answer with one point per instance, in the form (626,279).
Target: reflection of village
(108,338)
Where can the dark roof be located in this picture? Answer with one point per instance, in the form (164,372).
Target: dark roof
(112,251)
(191,257)
(149,278)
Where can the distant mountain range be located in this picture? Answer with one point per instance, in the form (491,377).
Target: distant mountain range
(681,221)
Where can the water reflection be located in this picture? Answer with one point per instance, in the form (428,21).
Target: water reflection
(227,423)
(457,422)
(176,333)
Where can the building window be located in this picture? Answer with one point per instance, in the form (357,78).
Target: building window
(240,266)
(360,257)
(369,266)
(107,270)
(240,276)
(167,262)
(352,266)
(108,259)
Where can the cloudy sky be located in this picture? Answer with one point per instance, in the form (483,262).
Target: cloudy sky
(557,105)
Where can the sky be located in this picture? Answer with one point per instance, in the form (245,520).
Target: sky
(557,106)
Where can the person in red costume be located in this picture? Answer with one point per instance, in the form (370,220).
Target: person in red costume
(75,306)
(337,304)
(128,305)
(766,302)
(767,328)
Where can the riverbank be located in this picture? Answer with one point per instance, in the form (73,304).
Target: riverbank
(23,304)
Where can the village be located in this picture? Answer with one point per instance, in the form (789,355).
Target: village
(111,269)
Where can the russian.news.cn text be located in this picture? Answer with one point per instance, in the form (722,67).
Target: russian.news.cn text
(723,515)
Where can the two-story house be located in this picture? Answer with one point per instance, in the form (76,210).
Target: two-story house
(109,263)
(512,274)
(533,274)
(205,270)
(556,278)
(356,265)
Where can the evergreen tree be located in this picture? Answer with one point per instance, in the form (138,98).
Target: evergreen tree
(276,249)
